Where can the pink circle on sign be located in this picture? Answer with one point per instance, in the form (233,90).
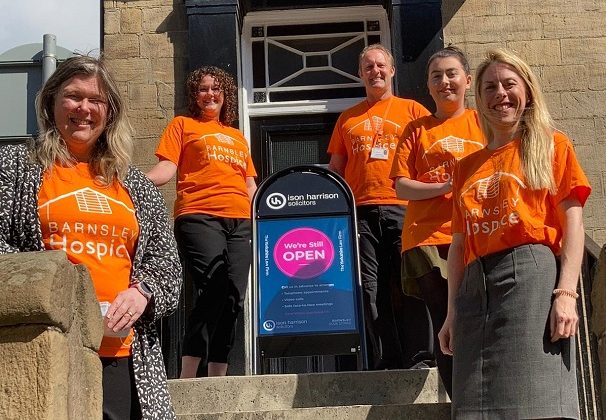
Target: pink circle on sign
(304,253)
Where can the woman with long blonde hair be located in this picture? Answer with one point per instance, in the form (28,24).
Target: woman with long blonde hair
(515,259)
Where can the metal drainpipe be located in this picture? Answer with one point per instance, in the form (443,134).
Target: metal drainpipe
(49,57)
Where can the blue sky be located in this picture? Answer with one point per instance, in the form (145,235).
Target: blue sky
(76,23)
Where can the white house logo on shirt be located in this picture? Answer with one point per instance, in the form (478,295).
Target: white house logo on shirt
(375,125)
(364,142)
(225,139)
(102,239)
(486,213)
(454,145)
(442,155)
(490,187)
(225,149)
(90,201)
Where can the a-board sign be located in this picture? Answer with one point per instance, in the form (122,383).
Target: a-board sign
(305,266)
(305,279)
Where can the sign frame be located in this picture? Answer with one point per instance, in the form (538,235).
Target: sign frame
(303,198)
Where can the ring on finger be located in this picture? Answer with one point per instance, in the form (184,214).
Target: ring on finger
(129,313)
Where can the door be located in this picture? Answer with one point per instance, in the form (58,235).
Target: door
(283,141)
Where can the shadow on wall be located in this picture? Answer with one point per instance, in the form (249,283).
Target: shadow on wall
(171,328)
(175,26)
(449,9)
(416,35)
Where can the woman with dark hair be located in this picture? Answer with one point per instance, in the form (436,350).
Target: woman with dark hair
(215,183)
(422,170)
(77,191)
(515,258)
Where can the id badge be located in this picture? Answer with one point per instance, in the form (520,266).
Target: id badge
(379,153)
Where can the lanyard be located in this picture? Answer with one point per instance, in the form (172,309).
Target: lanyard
(377,133)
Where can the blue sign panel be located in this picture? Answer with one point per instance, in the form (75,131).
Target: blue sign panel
(306,276)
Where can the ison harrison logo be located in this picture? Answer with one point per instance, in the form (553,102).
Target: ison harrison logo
(276,201)
(269,325)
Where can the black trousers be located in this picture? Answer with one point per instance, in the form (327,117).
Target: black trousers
(120,399)
(216,255)
(397,325)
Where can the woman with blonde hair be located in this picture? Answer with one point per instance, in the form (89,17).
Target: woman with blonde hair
(515,259)
(74,189)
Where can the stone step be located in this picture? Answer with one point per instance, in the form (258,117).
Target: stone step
(435,411)
(283,392)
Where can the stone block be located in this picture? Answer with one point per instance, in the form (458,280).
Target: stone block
(591,6)
(91,395)
(130,69)
(563,78)
(167,95)
(588,50)
(39,287)
(600,129)
(574,26)
(168,69)
(590,156)
(131,21)
(121,46)
(599,236)
(537,51)
(164,44)
(554,104)
(579,130)
(142,96)
(165,19)
(475,52)
(596,74)
(137,4)
(85,385)
(583,104)
(495,29)
(148,125)
(145,151)
(111,22)
(280,392)
(543,7)
(87,313)
(473,8)
(34,373)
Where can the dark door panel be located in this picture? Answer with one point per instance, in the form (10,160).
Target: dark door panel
(280,142)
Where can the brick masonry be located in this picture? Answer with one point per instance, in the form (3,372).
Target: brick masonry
(146,44)
(564,44)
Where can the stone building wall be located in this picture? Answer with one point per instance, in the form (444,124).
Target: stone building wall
(565,43)
(145,42)
(564,40)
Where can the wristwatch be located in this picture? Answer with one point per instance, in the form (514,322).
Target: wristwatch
(143,289)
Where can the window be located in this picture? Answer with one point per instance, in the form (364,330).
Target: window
(307,60)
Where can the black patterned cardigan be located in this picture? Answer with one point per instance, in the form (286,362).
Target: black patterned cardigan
(156,261)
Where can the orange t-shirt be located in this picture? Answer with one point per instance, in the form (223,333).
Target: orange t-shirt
(96,226)
(361,128)
(496,210)
(428,152)
(213,163)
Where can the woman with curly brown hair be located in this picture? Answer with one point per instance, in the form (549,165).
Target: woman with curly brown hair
(215,183)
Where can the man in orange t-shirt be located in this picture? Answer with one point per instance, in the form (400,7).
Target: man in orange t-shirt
(362,148)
